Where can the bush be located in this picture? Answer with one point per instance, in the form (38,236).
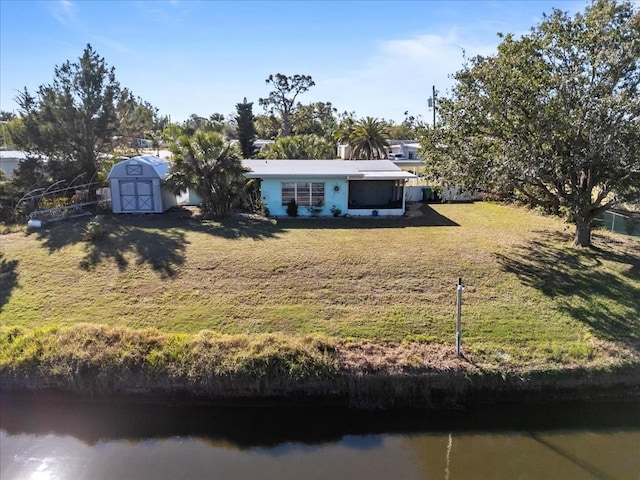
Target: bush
(292,208)
(58,202)
(315,211)
(336,211)
(94,229)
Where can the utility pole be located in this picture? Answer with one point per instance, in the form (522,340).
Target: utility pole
(434,106)
(431,103)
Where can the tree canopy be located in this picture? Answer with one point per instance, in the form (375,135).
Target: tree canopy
(367,138)
(316,118)
(134,118)
(73,120)
(300,147)
(282,99)
(245,127)
(553,117)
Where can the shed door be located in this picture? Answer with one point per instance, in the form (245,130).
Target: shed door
(136,196)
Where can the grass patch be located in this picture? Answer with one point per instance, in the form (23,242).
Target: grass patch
(97,357)
(530,296)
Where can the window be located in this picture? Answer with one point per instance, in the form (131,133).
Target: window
(305,194)
(134,170)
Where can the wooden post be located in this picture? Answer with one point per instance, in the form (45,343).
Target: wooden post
(459,317)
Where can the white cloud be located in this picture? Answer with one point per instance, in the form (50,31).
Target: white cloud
(398,76)
(65,12)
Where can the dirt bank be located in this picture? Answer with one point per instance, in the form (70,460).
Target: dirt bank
(363,376)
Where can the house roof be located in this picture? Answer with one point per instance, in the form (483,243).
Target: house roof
(13,154)
(350,169)
(405,162)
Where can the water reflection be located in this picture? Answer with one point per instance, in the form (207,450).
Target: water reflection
(56,440)
(244,427)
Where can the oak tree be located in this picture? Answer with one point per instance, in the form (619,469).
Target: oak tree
(554,116)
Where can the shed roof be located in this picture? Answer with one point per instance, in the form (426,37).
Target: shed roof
(159,165)
(351,169)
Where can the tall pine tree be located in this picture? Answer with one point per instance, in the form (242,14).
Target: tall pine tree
(246,127)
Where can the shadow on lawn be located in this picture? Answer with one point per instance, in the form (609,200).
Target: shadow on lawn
(8,279)
(157,240)
(160,240)
(418,215)
(240,226)
(609,303)
(163,250)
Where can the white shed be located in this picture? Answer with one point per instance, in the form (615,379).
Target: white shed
(137,186)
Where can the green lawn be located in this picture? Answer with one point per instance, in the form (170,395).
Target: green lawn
(530,296)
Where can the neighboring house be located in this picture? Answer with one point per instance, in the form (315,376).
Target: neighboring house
(327,187)
(259,144)
(404,149)
(10,160)
(137,186)
(398,150)
(404,153)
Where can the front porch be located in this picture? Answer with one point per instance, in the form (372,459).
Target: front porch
(385,198)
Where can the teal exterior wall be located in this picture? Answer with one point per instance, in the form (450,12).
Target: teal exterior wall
(336,191)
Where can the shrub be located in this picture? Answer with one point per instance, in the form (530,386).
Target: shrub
(315,211)
(292,208)
(336,211)
(94,229)
(48,203)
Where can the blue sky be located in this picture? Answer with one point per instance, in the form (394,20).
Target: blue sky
(375,58)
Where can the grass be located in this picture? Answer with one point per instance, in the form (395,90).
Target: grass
(530,298)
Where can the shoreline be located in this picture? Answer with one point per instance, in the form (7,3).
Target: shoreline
(374,391)
(98,363)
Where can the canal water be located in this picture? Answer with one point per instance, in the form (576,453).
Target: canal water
(70,440)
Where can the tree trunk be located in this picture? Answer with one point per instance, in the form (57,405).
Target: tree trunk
(583,233)
(286,125)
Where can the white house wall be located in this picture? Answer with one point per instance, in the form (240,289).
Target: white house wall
(168,199)
(189,198)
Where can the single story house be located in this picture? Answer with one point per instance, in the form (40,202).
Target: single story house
(137,185)
(330,187)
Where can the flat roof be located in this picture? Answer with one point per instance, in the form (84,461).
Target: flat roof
(18,154)
(353,169)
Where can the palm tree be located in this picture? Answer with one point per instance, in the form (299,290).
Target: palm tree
(210,166)
(344,133)
(368,139)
